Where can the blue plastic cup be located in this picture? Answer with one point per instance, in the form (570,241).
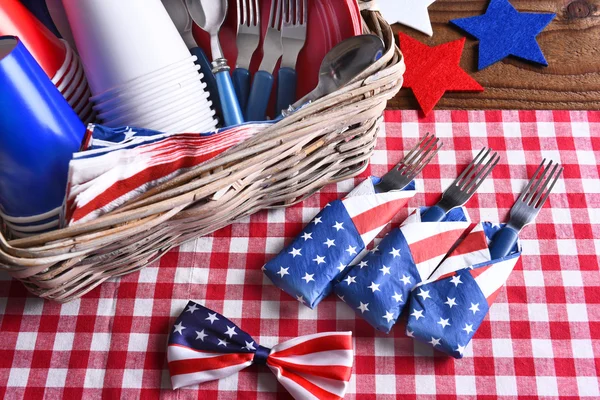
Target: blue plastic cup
(39,132)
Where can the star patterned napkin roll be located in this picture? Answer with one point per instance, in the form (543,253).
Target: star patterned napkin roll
(378,287)
(205,346)
(308,267)
(446,310)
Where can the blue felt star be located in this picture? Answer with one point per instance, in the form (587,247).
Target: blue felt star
(503,31)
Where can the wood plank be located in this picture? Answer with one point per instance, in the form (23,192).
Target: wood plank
(571,44)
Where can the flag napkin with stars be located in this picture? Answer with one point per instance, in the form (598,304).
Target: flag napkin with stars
(446,310)
(308,267)
(378,287)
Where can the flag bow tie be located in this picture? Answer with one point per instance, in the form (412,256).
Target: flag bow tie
(205,346)
(447,309)
(338,235)
(378,287)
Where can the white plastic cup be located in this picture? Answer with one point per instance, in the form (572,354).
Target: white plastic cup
(119,41)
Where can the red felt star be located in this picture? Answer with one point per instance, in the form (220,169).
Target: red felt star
(432,71)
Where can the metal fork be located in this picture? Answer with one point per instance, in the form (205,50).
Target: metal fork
(411,165)
(526,208)
(263,79)
(293,37)
(464,187)
(248,37)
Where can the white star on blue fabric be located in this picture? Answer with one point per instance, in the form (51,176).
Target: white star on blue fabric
(305,236)
(249,346)
(385,270)
(395,252)
(222,342)
(230,331)
(363,264)
(192,308)
(179,328)
(424,294)
(308,277)
(435,342)
(374,287)
(319,260)
(417,314)
(329,242)
(375,249)
(456,280)
(451,302)
(317,221)
(468,328)
(389,316)
(283,271)
(410,333)
(444,322)
(474,307)
(338,226)
(201,335)
(351,250)
(212,318)
(405,279)
(461,349)
(350,279)
(397,297)
(341,267)
(295,252)
(300,299)
(363,307)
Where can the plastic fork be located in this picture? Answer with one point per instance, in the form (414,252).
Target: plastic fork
(248,37)
(293,37)
(263,79)
(411,165)
(464,187)
(526,208)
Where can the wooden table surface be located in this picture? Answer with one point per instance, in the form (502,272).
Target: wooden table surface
(571,44)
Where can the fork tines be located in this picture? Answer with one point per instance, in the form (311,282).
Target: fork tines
(420,155)
(477,171)
(541,184)
(248,12)
(295,12)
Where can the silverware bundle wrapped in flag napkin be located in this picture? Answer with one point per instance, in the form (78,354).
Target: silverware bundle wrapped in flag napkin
(205,346)
(308,268)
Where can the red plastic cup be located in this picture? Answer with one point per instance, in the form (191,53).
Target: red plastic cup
(44,46)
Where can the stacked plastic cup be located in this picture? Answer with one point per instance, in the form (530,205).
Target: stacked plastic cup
(39,132)
(55,56)
(139,69)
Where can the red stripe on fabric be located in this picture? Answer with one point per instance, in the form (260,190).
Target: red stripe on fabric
(325,343)
(434,246)
(337,372)
(479,270)
(195,365)
(315,390)
(475,241)
(380,215)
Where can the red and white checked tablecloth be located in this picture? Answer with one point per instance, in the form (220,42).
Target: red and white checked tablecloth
(541,338)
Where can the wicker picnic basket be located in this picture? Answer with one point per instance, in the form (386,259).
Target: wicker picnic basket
(327,141)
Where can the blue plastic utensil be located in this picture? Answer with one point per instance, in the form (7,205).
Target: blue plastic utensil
(210,15)
(40,10)
(39,132)
(247,40)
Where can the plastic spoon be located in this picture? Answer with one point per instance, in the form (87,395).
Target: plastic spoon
(341,65)
(209,15)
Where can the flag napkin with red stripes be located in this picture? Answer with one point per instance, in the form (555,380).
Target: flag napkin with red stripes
(309,266)
(205,346)
(377,288)
(446,310)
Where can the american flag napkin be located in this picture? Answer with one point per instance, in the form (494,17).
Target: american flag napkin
(309,266)
(378,287)
(205,346)
(446,310)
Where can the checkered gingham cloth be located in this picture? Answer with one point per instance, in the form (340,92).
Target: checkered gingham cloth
(541,338)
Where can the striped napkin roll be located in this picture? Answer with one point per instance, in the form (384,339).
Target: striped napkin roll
(309,266)
(378,287)
(446,310)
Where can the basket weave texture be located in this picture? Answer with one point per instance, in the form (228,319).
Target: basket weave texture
(330,140)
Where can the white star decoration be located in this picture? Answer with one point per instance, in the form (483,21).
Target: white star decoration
(375,249)
(461,349)
(212,318)
(474,307)
(295,252)
(435,342)
(341,298)
(329,243)
(317,221)
(389,316)
(350,279)
(412,13)
(308,277)
(300,299)
(456,280)
(341,267)
(230,331)
(385,270)
(249,346)
(319,260)
(338,226)
(410,333)
(363,264)
(468,328)
(363,307)
(201,335)
(395,252)
(397,297)
(451,302)
(129,134)
(283,271)
(179,328)
(405,279)
(305,236)
(424,294)
(222,343)
(444,322)
(374,287)
(351,250)
(417,314)
(192,308)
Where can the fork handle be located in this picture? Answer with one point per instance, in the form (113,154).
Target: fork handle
(259,96)
(503,242)
(286,88)
(433,214)
(241,83)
